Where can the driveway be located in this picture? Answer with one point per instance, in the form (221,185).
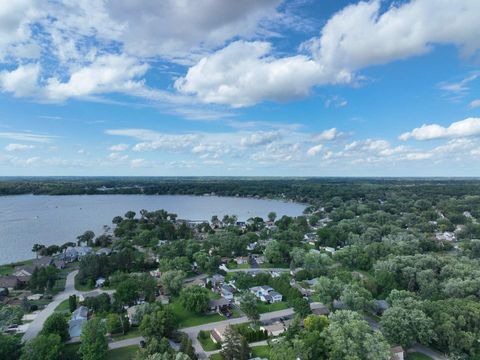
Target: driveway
(36,325)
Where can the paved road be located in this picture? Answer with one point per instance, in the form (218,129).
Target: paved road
(435,355)
(258,343)
(279,270)
(192,332)
(36,325)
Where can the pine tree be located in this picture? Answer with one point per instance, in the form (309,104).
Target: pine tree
(235,346)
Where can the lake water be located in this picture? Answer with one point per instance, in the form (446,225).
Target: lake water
(28,219)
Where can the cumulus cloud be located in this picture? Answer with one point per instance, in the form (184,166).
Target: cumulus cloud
(475,104)
(314,150)
(463,128)
(19,147)
(259,138)
(360,35)
(328,135)
(244,73)
(22,81)
(119,147)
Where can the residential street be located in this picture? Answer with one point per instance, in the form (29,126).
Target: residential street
(192,332)
(36,325)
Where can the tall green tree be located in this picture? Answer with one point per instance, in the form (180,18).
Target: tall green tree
(56,324)
(195,298)
(94,343)
(234,347)
(43,347)
(249,305)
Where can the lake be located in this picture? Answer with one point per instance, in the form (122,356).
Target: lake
(28,219)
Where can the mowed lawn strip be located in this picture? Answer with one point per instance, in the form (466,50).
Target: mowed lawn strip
(265,308)
(125,353)
(187,318)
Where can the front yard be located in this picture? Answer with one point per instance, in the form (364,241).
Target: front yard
(126,353)
(187,318)
(265,308)
(207,342)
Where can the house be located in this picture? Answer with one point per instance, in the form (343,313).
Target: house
(241,260)
(329,249)
(196,282)
(162,242)
(10,282)
(218,334)
(218,305)
(91,294)
(100,282)
(274,329)
(75,325)
(84,251)
(59,264)
(319,309)
(163,299)
(24,271)
(397,353)
(216,280)
(131,313)
(251,246)
(104,251)
(266,294)
(70,254)
(226,292)
(260,259)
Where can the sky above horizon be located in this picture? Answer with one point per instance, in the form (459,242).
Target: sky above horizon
(240,88)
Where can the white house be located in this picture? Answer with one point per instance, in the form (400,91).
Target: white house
(266,294)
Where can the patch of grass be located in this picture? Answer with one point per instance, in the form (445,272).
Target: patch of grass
(132,333)
(207,342)
(125,353)
(265,308)
(64,306)
(187,318)
(216,357)
(8,269)
(274,266)
(417,356)
(262,351)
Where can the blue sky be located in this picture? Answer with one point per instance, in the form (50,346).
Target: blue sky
(221,87)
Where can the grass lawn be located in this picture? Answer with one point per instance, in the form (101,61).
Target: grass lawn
(216,357)
(7,269)
(417,356)
(132,333)
(187,318)
(265,308)
(63,306)
(207,342)
(274,266)
(126,353)
(262,351)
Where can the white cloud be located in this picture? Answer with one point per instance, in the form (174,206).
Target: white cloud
(26,136)
(328,135)
(463,128)
(158,28)
(418,156)
(475,104)
(245,73)
(259,138)
(20,82)
(314,150)
(109,73)
(119,147)
(18,147)
(136,163)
